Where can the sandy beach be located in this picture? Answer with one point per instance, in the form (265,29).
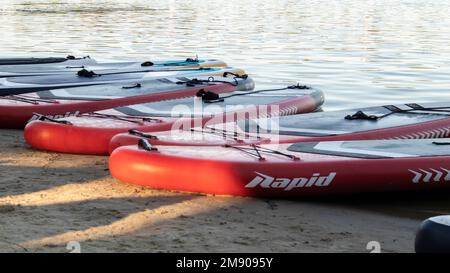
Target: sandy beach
(49,199)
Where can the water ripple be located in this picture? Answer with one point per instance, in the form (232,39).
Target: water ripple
(358,52)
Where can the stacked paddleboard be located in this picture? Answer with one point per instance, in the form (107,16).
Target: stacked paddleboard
(199,126)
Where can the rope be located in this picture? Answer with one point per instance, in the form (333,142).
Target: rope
(256,151)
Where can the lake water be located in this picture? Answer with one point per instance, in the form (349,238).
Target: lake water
(359,52)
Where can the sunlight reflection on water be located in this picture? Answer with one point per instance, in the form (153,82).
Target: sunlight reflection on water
(360,53)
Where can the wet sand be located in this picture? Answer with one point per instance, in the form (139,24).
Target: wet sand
(49,199)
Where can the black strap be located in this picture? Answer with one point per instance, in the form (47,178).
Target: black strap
(192,60)
(145,144)
(193,82)
(148,63)
(87,74)
(221,99)
(71,57)
(243,76)
(208,96)
(46,118)
(298,86)
(137,85)
(441,143)
(435,110)
(360,115)
(141,134)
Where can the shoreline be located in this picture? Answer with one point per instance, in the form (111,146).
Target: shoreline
(49,199)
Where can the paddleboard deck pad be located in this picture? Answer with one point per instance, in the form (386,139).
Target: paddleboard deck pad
(91,133)
(288,170)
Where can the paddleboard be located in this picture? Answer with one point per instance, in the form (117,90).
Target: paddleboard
(91,133)
(288,170)
(16,110)
(402,121)
(21,85)
(22,67)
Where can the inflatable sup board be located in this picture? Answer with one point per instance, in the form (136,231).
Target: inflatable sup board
(22,67)
(91,133)
(288,170)
(16,110)
(408,121)
(20,85)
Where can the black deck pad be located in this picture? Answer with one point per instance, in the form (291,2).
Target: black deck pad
(334,122)
(377,148)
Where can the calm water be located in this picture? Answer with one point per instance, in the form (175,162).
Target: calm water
(358,52)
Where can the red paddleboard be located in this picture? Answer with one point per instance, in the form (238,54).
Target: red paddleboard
(288,170)
(16,110)
(409,121)
(91,133)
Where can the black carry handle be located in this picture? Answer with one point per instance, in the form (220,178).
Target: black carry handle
(40,117)
(144,144)
(208,96)
(141,134)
